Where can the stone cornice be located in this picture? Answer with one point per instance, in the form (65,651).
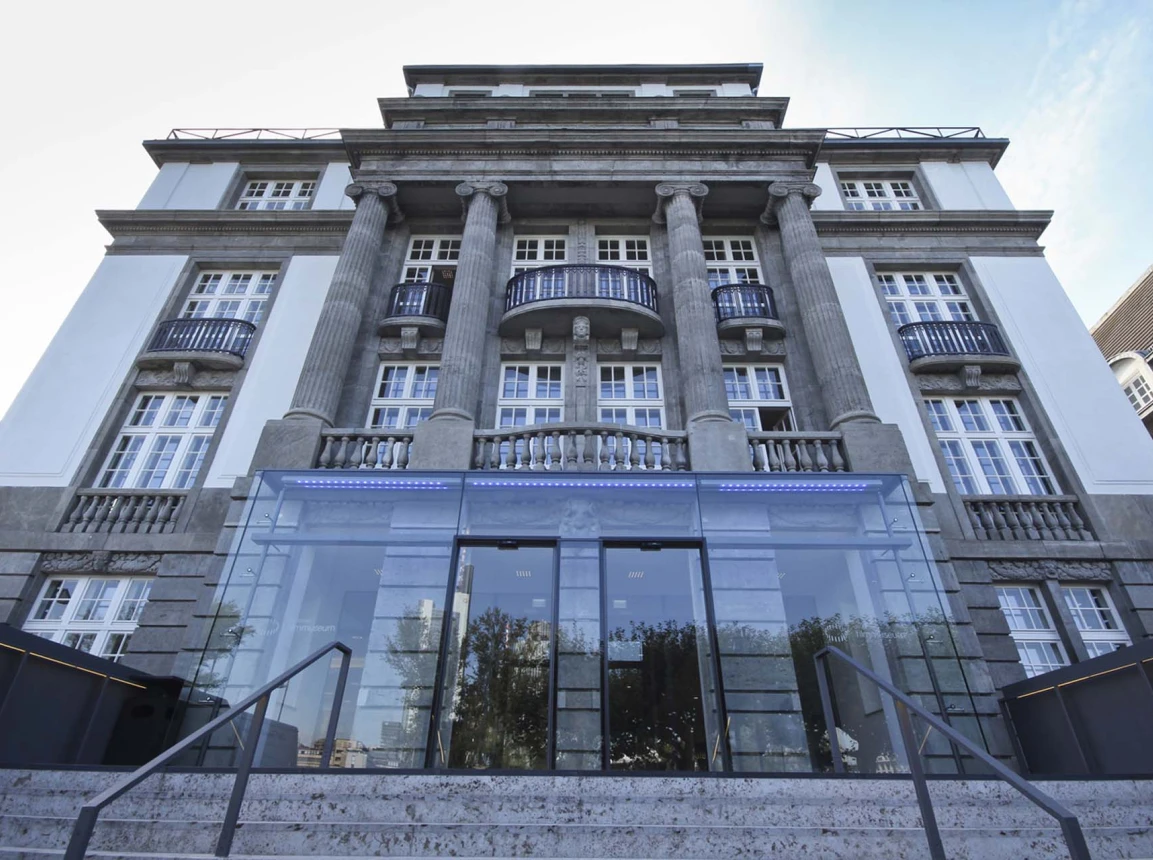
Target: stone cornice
(582,143)
(887,151)
(270,151)
(129,222)
(1028,224)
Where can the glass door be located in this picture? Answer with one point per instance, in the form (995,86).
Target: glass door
(660,672)
(493,709)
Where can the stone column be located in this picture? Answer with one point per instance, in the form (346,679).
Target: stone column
(716,442)
(842,383)
(322,378)
(445,440)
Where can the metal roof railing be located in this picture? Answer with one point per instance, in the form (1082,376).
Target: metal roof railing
(919,132)
(254,134)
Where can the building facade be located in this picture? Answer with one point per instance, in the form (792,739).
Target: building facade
(1125,336)
(585,404)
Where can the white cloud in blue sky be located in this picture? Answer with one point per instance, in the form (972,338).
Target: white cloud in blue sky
(1068,82)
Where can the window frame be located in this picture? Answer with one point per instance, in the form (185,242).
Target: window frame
(415,402)
(103,630)
(904,303)
(857,190)
(443,252)
(251,301)
(180,459)
(969,452)
(1049,634)
(1106,610)
(726,264)
(629,404)
(303,193)
(611,243)
(538,260)
(532,402)
(755,404)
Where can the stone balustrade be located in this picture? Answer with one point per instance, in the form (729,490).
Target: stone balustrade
(364,449)
(797,452)
(1027,518)
(581,447)
(124,511)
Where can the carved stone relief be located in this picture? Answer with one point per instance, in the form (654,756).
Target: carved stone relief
(206,379)
(100,561)
(949,383)
(1038,569)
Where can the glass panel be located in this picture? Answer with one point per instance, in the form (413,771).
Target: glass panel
(660,678)
(579,719)
(494,710)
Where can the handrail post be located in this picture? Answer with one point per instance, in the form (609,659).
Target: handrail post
(240,784)
(81,833)
(334,715)
(913,755)
(1075,838)
(827,707)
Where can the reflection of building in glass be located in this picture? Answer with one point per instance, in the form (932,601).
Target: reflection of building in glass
(585,479)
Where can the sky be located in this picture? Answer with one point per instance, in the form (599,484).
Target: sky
(1069,82)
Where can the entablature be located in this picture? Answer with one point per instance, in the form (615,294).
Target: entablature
(893,150)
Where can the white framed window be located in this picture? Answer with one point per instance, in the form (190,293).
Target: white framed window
(925,297)
(94,614)
(629,252)
(432,259)
(1038,643)
(530,394)
(758,396)
(1139,393)
(1096,619)
(277,194)
(989,448)
(630,394)
(731,260)
(532,252)
(403,395)
(582,93)
(163,443)
(230,294)
(880,194)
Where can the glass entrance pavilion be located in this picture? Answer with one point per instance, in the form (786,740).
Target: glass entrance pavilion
(560,623)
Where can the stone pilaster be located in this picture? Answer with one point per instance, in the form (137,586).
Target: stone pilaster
(716,442)
(838,372)
(445,440)
(322,378)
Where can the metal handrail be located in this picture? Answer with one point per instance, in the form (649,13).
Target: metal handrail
(428,299)
(86,820)
(951,337)
(744,301)
(1070,826)
(581,281)
(203,334)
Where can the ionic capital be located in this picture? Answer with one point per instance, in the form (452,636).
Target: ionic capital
(386,191)
(779,192)
(666,191)
(495,189)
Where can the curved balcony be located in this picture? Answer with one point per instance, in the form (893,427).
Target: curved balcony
(612,297)
(209,342)
(422,305)
(935,347)
(745,306)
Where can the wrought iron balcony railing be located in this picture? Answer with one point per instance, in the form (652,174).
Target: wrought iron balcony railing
(926,339)
(419,300)
(206,334)
(551,283)
(744,301)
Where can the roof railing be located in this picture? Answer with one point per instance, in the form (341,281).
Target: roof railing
(254,134)
(907,132)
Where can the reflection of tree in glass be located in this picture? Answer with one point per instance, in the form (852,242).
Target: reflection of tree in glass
(411,652)
(656,720)
(224,638)
(500,712)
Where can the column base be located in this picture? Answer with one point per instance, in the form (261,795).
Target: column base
(288,443)
(443,442)
(718,445)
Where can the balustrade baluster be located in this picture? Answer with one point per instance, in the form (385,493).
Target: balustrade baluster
(1000,522)
(822,460)
(975,520)
(141,508)
(588,452)
(153,512)
(341,455)
(1047,526)
(388,455)
(373,453)
(774,449)
(77,513)
(1009,512)
(666,460)
(1060,523)
(325,461)
(90,513)
(804,460)
(634,451)
(1029,517)
(165,514)
(538,454)
(478,460)
(838,457)
(790,458)
(356,452)
(650,460)
(402,454)
(603,451)
(1077,523)
(510,455)
(987,519)
(682,456)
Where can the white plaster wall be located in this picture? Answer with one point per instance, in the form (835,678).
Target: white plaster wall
(1110,450)
(330,193)
(190,186)
(274,366)
(966,185)
(884,373)
(830,197)
(53,419)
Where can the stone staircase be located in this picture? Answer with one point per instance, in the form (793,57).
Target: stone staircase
(178,815)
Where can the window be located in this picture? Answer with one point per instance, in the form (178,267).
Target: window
(758,397)
(94,614)
(631,394)
(277,194)
(925,297)
(1139,394)
(531,252)
(164,441)
(1096,619)
(403,396)
(988,447)
(732,261)
(1038,642)
(598,94)
(228,294)
(880,194)
(432,259)
(630,252)
(530,394)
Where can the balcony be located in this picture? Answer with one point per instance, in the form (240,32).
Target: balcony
(424,306)
(1027,518)
(612,297)
(941,347)
(211,343)
(745,306)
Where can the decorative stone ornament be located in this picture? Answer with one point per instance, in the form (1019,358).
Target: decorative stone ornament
(780,191)
(495,189)
(385,190)
(697,191)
